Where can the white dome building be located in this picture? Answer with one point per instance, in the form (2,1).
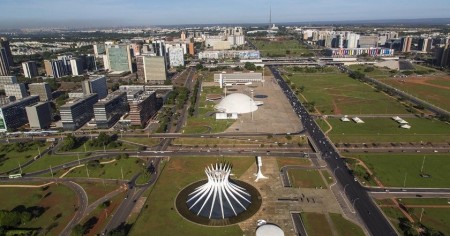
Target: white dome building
(237,103)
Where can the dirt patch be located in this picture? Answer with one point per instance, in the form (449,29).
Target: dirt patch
(424,82)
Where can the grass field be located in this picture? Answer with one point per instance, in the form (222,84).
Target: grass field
(178,173)
(391,169)
(327,176)
(433,89)
(387,130)
(144,141)
(315,224)
(10,157)
(205,121)
(376,73)
(305,179)
(239,141)
(345,227)
(49,160)
(436,218)
(424,201)
(284,161)
(95,191)
(280,48)
(337,93)
(112,170)
(124,146)
(56,203)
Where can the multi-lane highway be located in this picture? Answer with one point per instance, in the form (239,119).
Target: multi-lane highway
(369,213)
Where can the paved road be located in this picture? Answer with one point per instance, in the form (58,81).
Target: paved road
(369,213)
(82,205)
(298,223)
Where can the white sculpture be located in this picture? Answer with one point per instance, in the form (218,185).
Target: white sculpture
(259,174)
(218,198)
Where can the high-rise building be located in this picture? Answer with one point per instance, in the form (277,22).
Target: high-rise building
(39,115)
(140,67)
(4,43)
(55,68)
(13,115)
(191,49)
(159,47)
(183,35)
(43,90)
(66,62)
(99,49)
(108,111)
(406,44)
(425,44)
(18,91)
(4,64)
(352,40)
(8,79)
(91,64)
(155,69)
(142,108)
(75,113)
(368,41)
(29,69)
(95,85)
(77,66)
(119,57)
(176,56)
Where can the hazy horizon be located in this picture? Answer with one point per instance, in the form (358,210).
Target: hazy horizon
(111,13)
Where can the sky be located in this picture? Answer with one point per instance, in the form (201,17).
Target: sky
(89,13)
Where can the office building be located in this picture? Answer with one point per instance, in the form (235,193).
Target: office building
(13,115)
(18,91)
(155,70)
(29,69)
(233,78)
(39,115)
(368,41)
(77,112)
(43,90)
(191,49)
(66,62)
(353,52)
(108,111)
(95,85)
(140,67)
(99,49)
(183,35)
(9,79)
(119,58)
(77,66)
(406,44)
(176,56)
(230,54)
(91,64)
(55,68)
(142,108)
(4,43)
(159,47)
(425,44)
(352,40)
(4,64)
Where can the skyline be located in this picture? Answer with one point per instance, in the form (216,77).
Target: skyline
(111,13)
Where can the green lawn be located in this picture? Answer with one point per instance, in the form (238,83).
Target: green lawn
(57,203)
(95,190)
(124,146)
(143,140)
(286,161)
(49,160)
(280,48)
(177,174)
(345,227)
(391,169)
(205,121)
(316,224)
(11,155)
(424,201)
(327,176)
(376,73)
(436,218)
(387,130)
(425,89)
(113,170)
(337,93)
(305,178)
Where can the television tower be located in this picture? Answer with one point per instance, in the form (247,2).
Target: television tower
(270,16)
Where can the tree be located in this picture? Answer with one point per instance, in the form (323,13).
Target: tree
(199,66)
(78,229)
(249,66)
